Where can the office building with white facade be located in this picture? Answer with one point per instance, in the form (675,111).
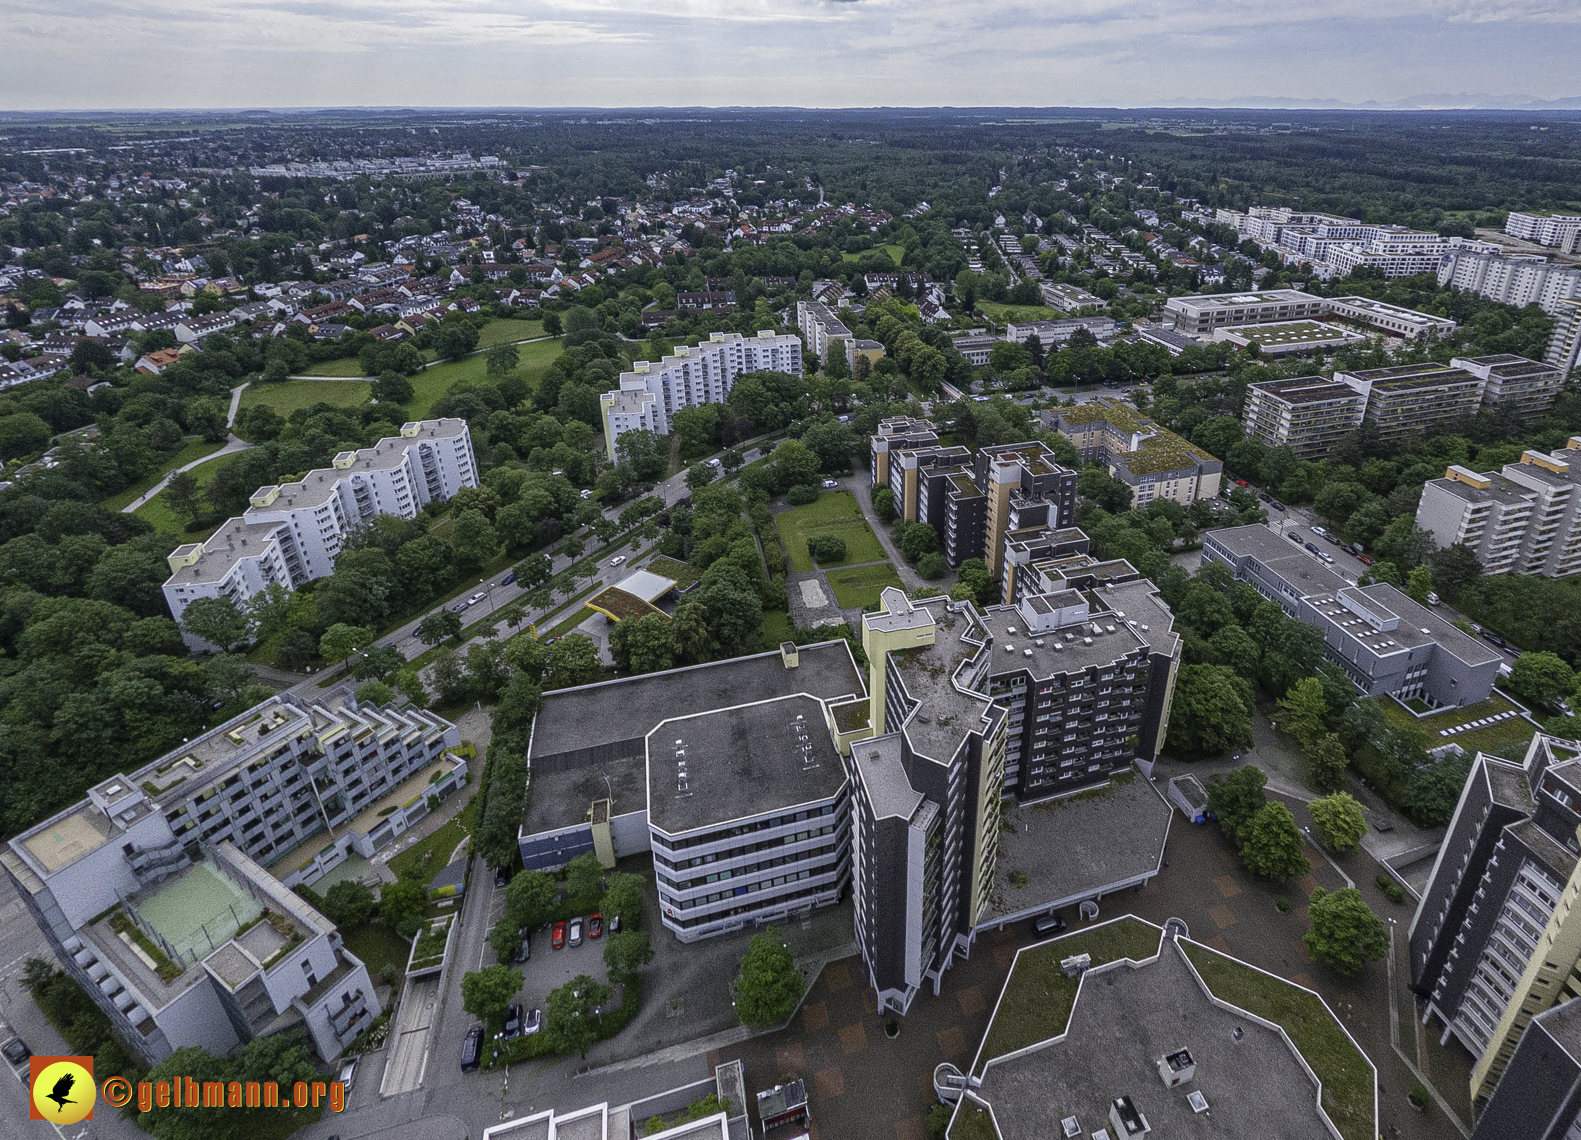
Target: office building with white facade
(1523,519)
(292,532)
(154,891)
(1394,319)
(1518,281)
(695,374)
(1307,414)
(1201,314)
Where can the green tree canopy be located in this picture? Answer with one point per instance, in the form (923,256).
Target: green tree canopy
(1303,712)
(485,993)
(571,1020)
(348,903)
(1326,763)
(1339,820)
(1211,712)
(1236,798)
(1344,932)
(769,985)
(1274,847)
(625,952)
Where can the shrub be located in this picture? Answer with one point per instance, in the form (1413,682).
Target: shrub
(827,548)
(802,494)
(932,566)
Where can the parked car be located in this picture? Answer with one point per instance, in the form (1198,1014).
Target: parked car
(585,493)
(1312,546)
(513,1021)
(1492,638)
(617,560)
(348,1074)
(1277,505)
(1294,536)
(1240,482)
(524,948)
(472,1049)
(595,925)
(16,1051)
(1512,652)
(508,579)
(1364,559)
(1331,539)
(459,606)
(1326,557)
(557,938)
(614,924)
(476,598)
(1319,531)
(501,879)
(532,1023)
(1264,497)
(574,933)
(827,483)
(1049,924)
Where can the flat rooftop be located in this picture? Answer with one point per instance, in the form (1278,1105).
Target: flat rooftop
(736,763)
(560,799)
(199,910)
(1307,390)
(945,714)
(1119,613)
(612,718)
(62,842)
(1125,1019)
(1073,847)
(1281,333)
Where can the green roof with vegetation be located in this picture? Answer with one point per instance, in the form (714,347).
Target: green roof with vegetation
(1163,451)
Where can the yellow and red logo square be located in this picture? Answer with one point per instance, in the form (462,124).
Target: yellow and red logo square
(62,1089)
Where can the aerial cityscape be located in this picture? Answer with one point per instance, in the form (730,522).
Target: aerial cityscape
(600,618)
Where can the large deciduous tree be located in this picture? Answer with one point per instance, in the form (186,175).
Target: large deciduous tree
(1211,712)
(1344,932)
(769,985)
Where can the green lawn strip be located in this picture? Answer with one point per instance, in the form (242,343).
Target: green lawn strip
(194,449)
(507,331)
(578,616)
(972,1123)
(350,366)
(837,513)
(378,946)
(157,512)
(1347,1078)
(776,629)
(684,573)
(1488,738)
(860,586)
(896,253)
(437,846)
(1014,314)
(434,382)
(287,397)
(1037,999)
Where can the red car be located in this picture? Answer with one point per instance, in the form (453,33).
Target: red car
(1240,482)
(557,938)
(595,925)
(1365,560)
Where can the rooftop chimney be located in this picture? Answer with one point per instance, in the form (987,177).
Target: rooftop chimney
(1176,1068)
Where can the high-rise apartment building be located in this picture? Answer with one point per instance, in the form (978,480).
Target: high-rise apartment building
(1149,458)
(1539,1095)
(1513,382)
(821,330)
(292,532)
(895,434)
(1307,414)
(1562,231)
(1517,281)
(1523,519)
(1564,345)
(1406,399)
(651,393)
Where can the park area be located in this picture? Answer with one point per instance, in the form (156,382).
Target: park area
(292,395)
(860,586)
(835,513)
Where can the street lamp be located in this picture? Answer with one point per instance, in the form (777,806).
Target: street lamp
(488,595)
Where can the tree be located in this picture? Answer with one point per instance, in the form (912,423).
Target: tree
(217,621)
(401,905)
(625,952)
(502,360)
(377,663)
(295,651)
(623,897)
(1100,489)
(916,539)
(227,676)
(485,993)
(1236,798)
(584,876)
(283,1058)
(1344,932)
(769,985)
(1303,712)
(196,1064)
(1234,647)
(348,903)
(1455,569)
(340,641)
(1274,847)
(699,475)
(439,625)
(1210,713)
(529,897)
(827,548)
(569,1024)
(793,462)
(375,693)
(1326,763)
(1339,821)
(474,538)
(884,504)
(534,570)
(932,566)
(643,645)
(1541,678)
(1418,584)
(455,339)
(185,497)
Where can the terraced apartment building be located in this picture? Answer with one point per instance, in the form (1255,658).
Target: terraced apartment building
(1307,414)
(1407,399)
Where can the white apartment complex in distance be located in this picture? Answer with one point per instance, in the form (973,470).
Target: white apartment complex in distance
(1336,246)
(293,531)
(702,374)
(1563,231)
(1519,281)
(1524,519)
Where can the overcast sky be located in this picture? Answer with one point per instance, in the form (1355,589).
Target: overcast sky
(825,53)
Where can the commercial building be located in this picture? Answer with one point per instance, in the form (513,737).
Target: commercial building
(1517,281)
(1068,298)
(1201,314)
(1562,231)
(153,892)
(1055,334)
(1524,519)
(1287,338)
(1152,460)
(695,374)
(857,348)
(1386,643)
(1307,414)
(292,532)
(1396,319)
(1496,938)
(975,345)
(1150,1047)
(821,330)
(1407,399)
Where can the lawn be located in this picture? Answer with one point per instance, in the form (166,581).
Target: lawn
(1003,314)
(293,394)
(896,253)
(776,628)
(434,382)
(861,585)
(156,511)
(1348,1079)
(438,846)
(835,512)
(378,945)
(684,573)
(503,332)
(195,449)
(1037,999)
(1489,738)
(350,366)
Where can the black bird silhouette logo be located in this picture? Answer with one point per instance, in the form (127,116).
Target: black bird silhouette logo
(61,1093)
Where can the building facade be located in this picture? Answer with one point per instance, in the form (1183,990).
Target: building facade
(820,329)
(1513,382)
(1562,231)
(1149,458)
(896,433)
(1201,314)
(695,374)
(1524,519)
(1406,399)
(1307,414)
(1564,344)
(292,532)
(1517,281)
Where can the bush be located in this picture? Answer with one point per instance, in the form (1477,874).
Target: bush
(932,566)
(1391,889)
(827,548)
(802,494)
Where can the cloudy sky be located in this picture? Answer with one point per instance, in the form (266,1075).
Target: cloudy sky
(824,53)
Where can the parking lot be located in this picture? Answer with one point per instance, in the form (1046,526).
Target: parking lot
(548,969)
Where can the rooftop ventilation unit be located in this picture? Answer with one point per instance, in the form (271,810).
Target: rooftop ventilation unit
(1039,643)
(1071,1127)
(1010,629)
(1028,652)
(1009,648)
(1197,1101)
(1176,1068)
(681,787)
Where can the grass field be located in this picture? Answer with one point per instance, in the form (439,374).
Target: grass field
(347,367)
(438,846)
(861,585)
(1486,739)
(293,394)
(684,573)
(195,449)
(378,945)
(776,628)
(163,518)
(1000,314)
(1347,1077)
(501,332)
(436,381)
(836,513)
(896,253)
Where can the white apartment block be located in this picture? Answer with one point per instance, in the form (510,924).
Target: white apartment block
(1336,246)
(702,374)
(820,328)
(1307,414)
(293,531)
(1564,346)
(1524,519)
(1518,281)
(1562,231)
(154,893)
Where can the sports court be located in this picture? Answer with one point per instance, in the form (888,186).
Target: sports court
(198,910)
